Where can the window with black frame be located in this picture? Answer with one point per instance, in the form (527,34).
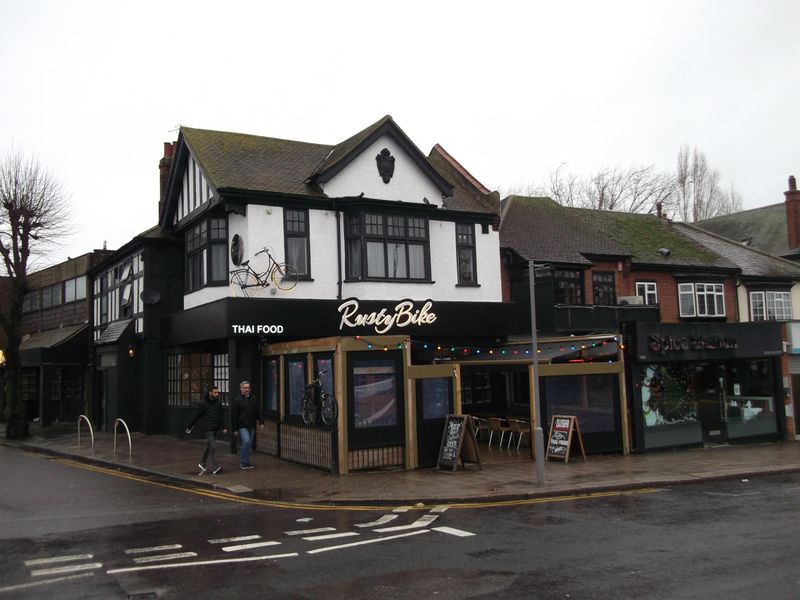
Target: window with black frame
(465,250)
(295,227)
(387,247)
(295,384)
(568,286)
(207,254)
(603,290)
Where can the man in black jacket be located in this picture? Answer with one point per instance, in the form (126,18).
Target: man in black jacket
(210,411)
(245,414)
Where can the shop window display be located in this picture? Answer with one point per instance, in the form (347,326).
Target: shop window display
(667,395)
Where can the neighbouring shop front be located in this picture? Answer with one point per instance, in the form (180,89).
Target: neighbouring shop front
(710,383)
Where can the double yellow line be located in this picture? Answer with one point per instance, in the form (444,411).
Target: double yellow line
(229,497)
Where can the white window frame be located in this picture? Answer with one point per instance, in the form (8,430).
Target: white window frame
(647,290)
(770,305)
(704,291)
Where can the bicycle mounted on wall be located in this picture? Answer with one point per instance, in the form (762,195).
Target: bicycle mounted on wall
(283,276)
(319,403)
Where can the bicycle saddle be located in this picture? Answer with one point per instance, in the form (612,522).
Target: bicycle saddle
(244,263)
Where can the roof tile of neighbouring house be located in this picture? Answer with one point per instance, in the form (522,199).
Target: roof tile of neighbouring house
(243,162)
(540,229)
(469,194)
(753,263)
(762,228)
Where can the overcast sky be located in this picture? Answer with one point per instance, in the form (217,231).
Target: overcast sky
(511,89)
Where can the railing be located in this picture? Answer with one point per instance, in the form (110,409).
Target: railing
(128,431)
(91,432)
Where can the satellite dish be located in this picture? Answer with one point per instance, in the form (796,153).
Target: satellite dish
(150,296)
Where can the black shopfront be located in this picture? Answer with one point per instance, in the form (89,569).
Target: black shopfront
(705,383)
(360,350)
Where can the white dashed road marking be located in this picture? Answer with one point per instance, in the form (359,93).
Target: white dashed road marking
(402,509)
(241,538)
(41,582)
(200,563)
(438,509)
(423,521)
(382,521)
(69,569)
(57,559)
(331,536)
(452,531)
(163,557)
(310,531)
(372,541)
(248,546)
(153,549)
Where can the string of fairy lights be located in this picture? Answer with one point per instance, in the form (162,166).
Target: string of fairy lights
(519,350)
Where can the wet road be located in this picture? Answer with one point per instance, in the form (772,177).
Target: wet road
(75,531)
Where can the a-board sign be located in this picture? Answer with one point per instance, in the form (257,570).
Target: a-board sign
(459,443)
(564,430)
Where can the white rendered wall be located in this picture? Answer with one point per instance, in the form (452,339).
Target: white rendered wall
(264,227)
(408,184)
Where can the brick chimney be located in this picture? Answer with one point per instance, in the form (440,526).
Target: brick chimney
(792,213)
(164,166)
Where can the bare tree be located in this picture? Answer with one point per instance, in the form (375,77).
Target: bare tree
(34,215)
(700,195)
(635,189)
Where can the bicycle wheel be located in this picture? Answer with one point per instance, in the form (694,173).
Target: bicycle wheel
(329,409)
(309,408)
(284,277)
(241,281)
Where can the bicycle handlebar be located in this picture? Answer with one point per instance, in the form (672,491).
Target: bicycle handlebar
(262,251)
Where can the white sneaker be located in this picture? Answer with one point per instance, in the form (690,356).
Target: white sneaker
(203,470)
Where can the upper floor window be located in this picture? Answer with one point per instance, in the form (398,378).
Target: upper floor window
(701,299)
(647,290)
(770,306)
(75,289)
(295,227)
(382,246)
(568,286)
(51,296)
(465,250)
(603,288)
(206,254)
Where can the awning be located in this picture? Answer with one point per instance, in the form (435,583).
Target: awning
(113,332)
(63,345)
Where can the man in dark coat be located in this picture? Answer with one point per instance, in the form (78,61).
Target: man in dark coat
(210,414)
(245,414)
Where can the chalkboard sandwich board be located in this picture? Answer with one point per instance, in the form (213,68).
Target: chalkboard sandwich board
(458,443)
(559,442)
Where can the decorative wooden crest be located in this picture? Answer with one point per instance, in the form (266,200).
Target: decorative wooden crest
(385,162)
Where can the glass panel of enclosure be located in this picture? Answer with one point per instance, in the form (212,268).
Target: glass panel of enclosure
(591,398)
(272,384)
(324,370)
(375,393)
(436,398)
(295,384)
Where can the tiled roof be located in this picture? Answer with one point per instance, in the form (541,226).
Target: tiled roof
(762,228)
(469,194)
(253,163)
(242,162)
(752,262)
(540,229)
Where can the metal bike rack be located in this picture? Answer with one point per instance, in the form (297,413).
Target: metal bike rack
(91,431)
(128,431)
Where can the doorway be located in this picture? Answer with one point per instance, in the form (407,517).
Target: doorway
(708,382)
(434,402)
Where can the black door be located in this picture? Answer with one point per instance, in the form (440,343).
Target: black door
(434,403)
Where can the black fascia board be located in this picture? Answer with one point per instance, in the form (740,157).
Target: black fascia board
(179,160)
(393,131)
(592,256)
(767,282)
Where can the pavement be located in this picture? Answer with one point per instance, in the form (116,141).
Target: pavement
(505,474)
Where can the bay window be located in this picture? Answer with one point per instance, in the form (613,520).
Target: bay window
(387,247)
(207,254)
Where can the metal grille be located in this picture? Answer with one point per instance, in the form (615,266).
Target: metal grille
(308,445)
(374,458)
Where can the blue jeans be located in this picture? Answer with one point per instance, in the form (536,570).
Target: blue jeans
(245,443)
